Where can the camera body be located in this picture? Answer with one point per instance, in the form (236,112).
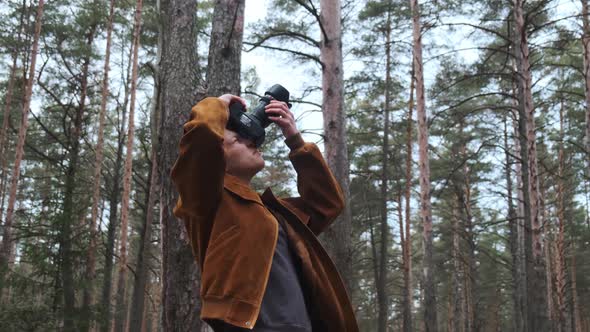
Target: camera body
(251,125)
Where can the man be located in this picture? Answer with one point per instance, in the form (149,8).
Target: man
(262,267)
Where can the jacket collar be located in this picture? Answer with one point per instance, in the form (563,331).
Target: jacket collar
(234,185)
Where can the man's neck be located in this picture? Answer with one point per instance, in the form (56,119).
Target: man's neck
(243,179)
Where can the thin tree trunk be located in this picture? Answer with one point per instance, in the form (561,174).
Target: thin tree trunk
(560,268)
(513,222)
(382,294)
(179,80)
(456,323)
(225,48)
(141,272)
(407,255)
(105,313)
(337,238)
(4,132)
(402,240)
(470,273)
(7,110)
(375,260)
(6,251)
(105,304)
(575,302)
(68,214)
(523,210)
(523,230)
(586,45)
(537,304)
(121,305)
(88,297)
(138,301)
(428,275)
(547,259)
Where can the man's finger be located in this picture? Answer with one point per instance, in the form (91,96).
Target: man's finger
(281,122)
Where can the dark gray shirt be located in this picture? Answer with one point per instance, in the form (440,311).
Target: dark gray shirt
(283,305)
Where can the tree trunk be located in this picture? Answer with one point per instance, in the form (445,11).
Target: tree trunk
(407,255)
(428,275)
(105,314)
(179,80)
(575,302)
(547,232)
(470,319)
(513,221)
(337,238)
(141,271)
(456,310)
(375,258)
(68,214)
(523,214)
(121,305)
(586,45)
(560,268)
(7,110)
(382,291)
(6,251)
(225,48)
(537,313)
(88,298)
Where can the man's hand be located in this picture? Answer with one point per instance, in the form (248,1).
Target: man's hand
(229,99)
(279,113)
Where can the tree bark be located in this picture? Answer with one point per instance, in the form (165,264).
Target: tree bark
(407,255)
(6,251)
(513,222)
(7,109)
(88,298)
(560,268)
(121,305)
(523,210)
(586,45)
(382,291)
(470,318)
(225,48)
(547,232)
(179,80)
(456,310)
(337,239)
(537,313)
(430,319)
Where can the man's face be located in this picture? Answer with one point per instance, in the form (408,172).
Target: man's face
(242,158)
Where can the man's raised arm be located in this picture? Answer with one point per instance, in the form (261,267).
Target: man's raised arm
(200,167)
(321,196)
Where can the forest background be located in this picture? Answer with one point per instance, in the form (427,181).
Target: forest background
(459,131)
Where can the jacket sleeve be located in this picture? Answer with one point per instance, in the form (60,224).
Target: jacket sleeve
(321,197)
(199,170)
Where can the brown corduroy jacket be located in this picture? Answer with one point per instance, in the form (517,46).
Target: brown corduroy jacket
(233,230)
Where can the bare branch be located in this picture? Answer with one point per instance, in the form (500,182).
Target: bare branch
(314,12)
(316,59)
